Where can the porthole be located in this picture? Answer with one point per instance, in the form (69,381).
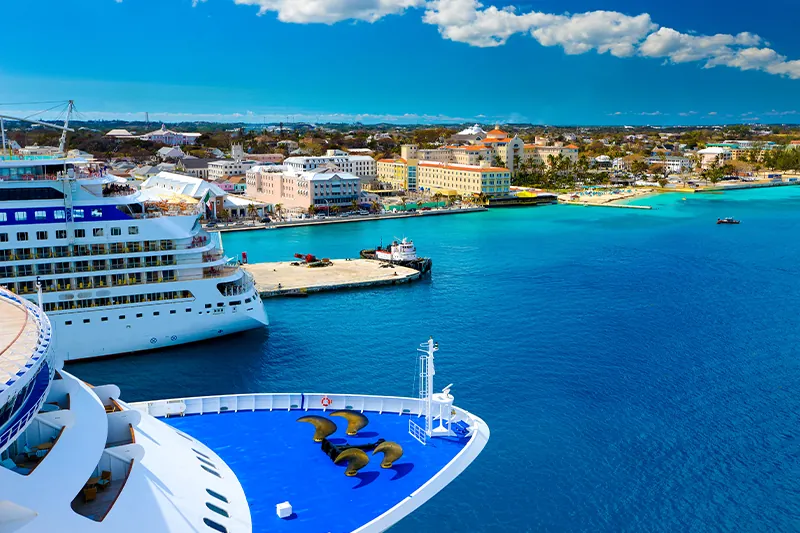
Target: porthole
(217,495)
(219,510)
(200,453)
(215,526)
(206,461)
(207,469)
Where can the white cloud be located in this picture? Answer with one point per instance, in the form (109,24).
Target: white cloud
(331,11)
(712,113)
(619,34)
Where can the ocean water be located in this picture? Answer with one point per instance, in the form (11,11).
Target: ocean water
(639,370)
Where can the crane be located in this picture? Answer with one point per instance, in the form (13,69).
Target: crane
(62,145)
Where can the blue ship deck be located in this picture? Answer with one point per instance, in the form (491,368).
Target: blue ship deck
(276,460)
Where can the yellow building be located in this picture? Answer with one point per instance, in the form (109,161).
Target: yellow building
(465,180)
(400,173)
(540,153)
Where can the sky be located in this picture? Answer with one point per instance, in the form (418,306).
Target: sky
(620,62)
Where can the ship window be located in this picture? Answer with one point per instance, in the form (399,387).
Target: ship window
(86,320)
(97,232)
(210,471)
(3,237)
(206,461)
(78,213)
(40,215)
(116,231)
(68,323)
(80,233)
(188,309)
(22,235)
(133,230)
(156,313)
(20,215)
(213,525)
(208,306)
(61,234)
(235,302)
(217,495)
(3,217)
(172,311)
(41,235)
(247,300)
(220,304)
(104,319)
(122,317)
(97,213)
(218,510)
(59,214)
(138,315)
(204,455)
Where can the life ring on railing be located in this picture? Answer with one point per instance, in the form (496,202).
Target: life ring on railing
(325,401)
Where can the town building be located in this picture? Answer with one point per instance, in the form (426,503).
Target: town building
(399,174)
(36,150)
(194,167)
(216,199)
(448,178)
(539,153)
(170,152)
(120,134)
(674,164)
(275,159)
(296,191)
(219,170)
(238,184)
(170,137)
(362,166)
(714,155)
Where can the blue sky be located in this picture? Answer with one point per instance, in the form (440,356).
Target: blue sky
(409,61)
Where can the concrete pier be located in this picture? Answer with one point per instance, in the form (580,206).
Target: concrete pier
(285,279)
(618,206)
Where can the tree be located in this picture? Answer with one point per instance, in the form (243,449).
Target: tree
(279,211)
(403,200)
(312,209)
(639,167)
(497,162)
(252,211)
(354,204)
(482,198)
(334,209)
(376,207)
(662,182)
(224,214)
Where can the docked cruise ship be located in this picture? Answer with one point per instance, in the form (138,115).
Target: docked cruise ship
(75,458)
(120,270)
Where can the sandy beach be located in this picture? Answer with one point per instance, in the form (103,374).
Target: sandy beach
(602,196)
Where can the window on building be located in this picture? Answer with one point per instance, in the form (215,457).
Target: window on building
(133,230)
(61,234)
(22,235)
(20,215)
(3,217)
(116,231)
(3,237)
(41,235)
(80,233)
(97,232)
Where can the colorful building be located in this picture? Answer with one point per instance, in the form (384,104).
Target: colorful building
(323,188)
(400,174)
(450,178)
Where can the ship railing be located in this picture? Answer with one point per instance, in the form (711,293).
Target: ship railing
(287,402)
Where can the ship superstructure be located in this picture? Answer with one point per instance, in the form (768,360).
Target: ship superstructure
(125,268)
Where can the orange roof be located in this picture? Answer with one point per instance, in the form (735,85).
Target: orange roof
(572,146)
(497,132)
(398,160)
(468,168)
(795,142)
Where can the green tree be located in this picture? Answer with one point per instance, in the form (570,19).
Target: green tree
(252,211)
(279,211)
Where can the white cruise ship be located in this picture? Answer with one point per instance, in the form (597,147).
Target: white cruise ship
(74,458)
(121,270)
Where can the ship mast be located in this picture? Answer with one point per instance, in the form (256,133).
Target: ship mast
(62,144)
(64,129)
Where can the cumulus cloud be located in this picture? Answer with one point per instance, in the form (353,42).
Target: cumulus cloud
(612,32)
(331,11)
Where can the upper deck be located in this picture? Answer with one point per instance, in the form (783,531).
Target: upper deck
(20,338)
(276,459)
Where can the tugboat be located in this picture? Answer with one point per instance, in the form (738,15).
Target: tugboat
(402,253)
(727,220)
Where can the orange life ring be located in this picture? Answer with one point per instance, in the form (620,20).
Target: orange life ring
(325,401)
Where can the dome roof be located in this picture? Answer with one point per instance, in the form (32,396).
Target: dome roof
(497,133)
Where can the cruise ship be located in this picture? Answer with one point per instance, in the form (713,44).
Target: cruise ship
(75,458)
(124,268)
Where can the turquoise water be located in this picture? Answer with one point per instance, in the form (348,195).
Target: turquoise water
(639,369)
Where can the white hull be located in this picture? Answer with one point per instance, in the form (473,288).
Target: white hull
(158,326)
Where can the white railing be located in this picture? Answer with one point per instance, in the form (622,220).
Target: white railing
(301,401)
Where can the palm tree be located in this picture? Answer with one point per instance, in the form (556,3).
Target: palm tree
(334,209)
(437,197)
(252,212)
(403,202)
(482,198)
(312,209)
(354,204)
(375,207)
(279,211)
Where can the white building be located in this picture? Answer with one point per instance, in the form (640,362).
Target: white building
(218,170)
(172,138)
(170,152)
(712,155)
(675,164)
(362,166)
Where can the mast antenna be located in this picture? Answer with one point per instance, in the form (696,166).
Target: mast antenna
(62,144)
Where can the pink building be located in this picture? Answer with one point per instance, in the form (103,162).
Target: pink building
(266,158)
(322,188)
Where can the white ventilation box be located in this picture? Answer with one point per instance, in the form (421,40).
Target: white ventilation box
(284,510)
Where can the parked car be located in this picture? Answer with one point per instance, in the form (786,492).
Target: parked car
(265,220)
(363,212)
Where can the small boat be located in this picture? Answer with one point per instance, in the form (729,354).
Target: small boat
(402,253)
(727,220)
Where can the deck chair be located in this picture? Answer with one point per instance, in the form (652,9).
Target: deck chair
(105,479)
(89,494)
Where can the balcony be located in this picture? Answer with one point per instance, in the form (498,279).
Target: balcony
(100,492)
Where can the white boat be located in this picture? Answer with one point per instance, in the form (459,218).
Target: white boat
(75,458)
(120,270)
(402,252)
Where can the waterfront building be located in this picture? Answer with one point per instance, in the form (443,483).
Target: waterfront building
(448,178)
(539,153)
(674,164)
(400,174)
(509,150)
(170,137)
(742,149)
(323,187)
(362,166)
